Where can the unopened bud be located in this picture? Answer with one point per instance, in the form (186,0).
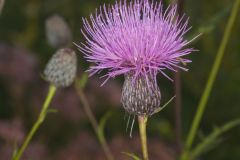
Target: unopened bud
(140,96)
(58,32)
(61,68)
(1,5)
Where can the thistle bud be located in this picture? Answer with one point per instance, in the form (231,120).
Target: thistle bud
(61,68)
(57,31)
(140,96)
(1,5)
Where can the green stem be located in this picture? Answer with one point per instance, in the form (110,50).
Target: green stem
(142,130)
(42,115)
(211,79)
(93,121)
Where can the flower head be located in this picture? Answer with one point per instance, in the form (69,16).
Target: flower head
(140,40)
(138,37)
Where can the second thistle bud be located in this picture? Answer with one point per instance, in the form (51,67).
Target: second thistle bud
(57,31)
(61,68)
(139,96)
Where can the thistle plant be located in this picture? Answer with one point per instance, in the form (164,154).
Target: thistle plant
(138,40)
(59,35)
(60,72)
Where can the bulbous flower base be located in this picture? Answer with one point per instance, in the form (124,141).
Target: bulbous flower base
(61,68)
(140,97)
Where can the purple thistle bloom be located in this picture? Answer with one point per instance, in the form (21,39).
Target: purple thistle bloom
(137,39)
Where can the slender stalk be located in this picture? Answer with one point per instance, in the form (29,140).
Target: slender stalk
(178,111)
(142,121)
(93,121)
(177,88)
(211,79)
(42,115)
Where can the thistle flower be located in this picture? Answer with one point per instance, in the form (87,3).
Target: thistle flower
(61,68)
(139,40)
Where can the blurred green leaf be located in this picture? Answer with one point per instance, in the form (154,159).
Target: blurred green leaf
(43,76)
(15,150)
(163,127)
(132,155)
(161,108)
(211,24)
(102,124)
(213,139)
(52,110)
(83,80)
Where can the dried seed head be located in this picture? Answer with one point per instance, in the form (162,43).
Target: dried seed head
(61,68)
(140,97)
(58,32)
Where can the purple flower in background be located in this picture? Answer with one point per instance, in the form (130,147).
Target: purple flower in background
(140,40)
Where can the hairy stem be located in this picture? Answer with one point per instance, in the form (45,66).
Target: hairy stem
(142,130)
(93,121)
(211,79)
(42,115)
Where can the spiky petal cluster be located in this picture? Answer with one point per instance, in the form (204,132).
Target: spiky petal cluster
(137,37)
